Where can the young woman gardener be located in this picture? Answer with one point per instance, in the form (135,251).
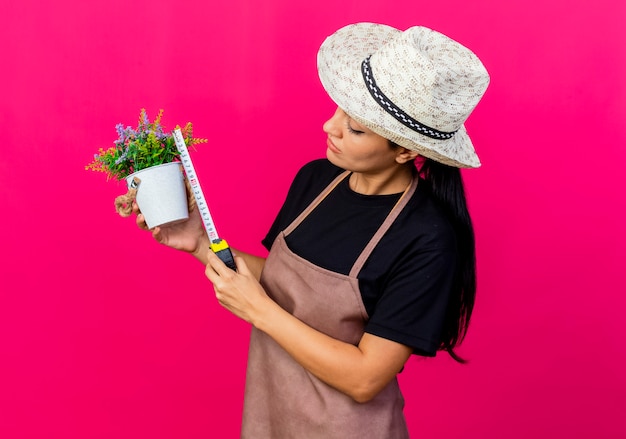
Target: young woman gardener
(372,254)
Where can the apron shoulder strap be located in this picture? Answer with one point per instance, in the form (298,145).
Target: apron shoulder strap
(402,202)
(296,222)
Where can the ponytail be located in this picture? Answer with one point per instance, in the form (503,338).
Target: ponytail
(446,185)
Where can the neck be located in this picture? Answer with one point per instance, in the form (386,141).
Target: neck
(387,183)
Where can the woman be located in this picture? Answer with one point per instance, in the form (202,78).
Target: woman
(371,259)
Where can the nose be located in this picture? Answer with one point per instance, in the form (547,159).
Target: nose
(332,126)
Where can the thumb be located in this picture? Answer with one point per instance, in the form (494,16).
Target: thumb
(242,267)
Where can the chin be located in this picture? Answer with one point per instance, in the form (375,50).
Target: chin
(332,157)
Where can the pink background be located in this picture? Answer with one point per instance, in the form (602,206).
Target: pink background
(106,334)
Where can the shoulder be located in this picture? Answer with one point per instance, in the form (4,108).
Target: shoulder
(424,222)
(417,260)
(308,183)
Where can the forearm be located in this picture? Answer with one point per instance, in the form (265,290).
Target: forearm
(360,371)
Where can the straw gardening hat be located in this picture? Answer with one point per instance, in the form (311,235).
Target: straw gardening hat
(415,88)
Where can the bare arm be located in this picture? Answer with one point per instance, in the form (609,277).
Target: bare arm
(358,371)
(189,236)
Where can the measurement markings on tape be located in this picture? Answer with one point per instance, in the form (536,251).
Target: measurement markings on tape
(218,245)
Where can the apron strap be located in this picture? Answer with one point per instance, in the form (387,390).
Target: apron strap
(295,223)
(365,254)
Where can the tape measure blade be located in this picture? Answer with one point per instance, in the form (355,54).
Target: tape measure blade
(203,207)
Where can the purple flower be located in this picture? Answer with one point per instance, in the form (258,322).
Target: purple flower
(120,134)
(122,157)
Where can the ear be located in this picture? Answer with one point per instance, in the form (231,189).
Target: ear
(405,155)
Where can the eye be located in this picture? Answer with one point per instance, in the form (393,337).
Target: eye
(352,130)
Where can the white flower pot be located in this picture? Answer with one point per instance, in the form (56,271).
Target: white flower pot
(161,195)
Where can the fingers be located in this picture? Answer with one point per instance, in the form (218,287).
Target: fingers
(240,263)
(215,268)
(141,223)
(220,274)
(216,262)
(140,220)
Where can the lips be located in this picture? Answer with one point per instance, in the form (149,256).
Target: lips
(332,146)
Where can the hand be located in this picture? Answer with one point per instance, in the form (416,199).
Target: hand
(237,291)
(188,236)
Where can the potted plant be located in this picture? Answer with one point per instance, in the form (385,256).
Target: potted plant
(147,158)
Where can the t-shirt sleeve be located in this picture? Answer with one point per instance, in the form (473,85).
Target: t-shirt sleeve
(412,307)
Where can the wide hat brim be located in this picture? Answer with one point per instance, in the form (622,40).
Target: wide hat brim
(339,63)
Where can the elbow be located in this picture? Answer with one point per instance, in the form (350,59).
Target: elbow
(365,387)
(363,398)
(365,393)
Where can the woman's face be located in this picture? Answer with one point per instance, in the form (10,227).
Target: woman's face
(356,148)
